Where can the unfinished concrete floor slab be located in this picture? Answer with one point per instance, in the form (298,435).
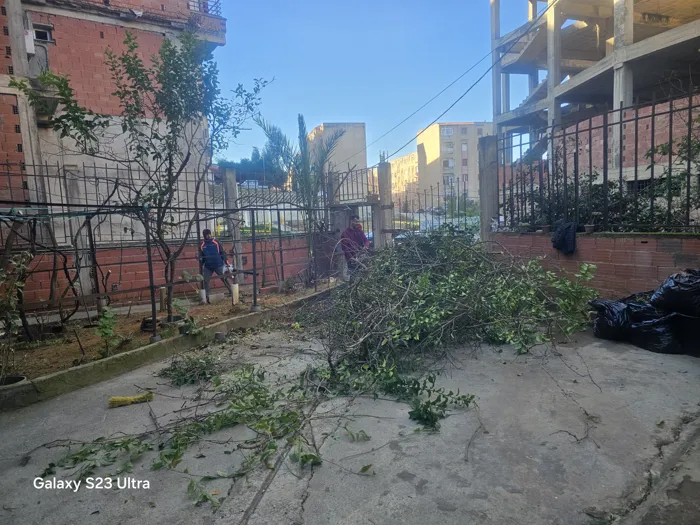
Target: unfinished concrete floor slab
(557,438)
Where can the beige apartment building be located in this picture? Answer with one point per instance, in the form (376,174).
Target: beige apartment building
(404,178)
(349,154)
(448,155)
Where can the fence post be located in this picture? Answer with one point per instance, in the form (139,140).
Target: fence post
(154,319)
(234,219)
(488,184)
(386,207)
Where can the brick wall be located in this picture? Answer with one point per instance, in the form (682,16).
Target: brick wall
(13,182)
(626,263)
(5,58)
(79,52)
(129,269)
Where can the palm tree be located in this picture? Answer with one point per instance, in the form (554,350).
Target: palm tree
(310,169)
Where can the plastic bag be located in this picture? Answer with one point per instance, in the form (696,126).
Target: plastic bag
(679,293)
(656,335)
(639,324)
(611,321)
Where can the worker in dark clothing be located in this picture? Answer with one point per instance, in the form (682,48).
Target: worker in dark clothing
(213,260)
(353,241)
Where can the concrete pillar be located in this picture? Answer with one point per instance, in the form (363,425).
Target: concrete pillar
(553,47)
(531,9)
(623,80)
(15,24)
(624,36)
(488,184)
(533,81)
(496,71)
(506,93)
(234,219)
(386,207)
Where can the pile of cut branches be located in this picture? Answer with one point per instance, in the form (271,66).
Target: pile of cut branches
(434,291)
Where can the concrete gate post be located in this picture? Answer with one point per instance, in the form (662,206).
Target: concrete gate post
(385,216)
(488,185)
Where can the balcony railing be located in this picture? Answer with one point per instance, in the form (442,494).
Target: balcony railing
(207,7)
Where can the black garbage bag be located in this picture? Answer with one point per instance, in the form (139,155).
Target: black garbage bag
(611,321)
(679,293)
(643,325)
(656,334)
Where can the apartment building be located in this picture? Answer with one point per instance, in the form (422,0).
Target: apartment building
(349,155)
(448,156)
(404,177)
(70,38)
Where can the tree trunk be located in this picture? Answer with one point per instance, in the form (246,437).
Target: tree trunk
(170,279)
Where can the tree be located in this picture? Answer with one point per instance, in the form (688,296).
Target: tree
(173,120)
(310,170)
(266,168)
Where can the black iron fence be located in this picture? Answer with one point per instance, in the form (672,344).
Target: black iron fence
(629,169)
(451,204)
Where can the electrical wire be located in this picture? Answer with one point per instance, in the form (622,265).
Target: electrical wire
(533,23)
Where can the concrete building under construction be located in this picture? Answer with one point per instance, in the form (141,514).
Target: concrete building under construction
(585,57)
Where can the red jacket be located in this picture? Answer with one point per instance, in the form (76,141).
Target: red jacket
(352,241)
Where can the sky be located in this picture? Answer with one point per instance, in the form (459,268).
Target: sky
(362,61)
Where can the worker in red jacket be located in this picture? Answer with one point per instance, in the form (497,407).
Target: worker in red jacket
(353,241)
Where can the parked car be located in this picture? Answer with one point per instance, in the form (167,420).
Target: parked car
(252,185)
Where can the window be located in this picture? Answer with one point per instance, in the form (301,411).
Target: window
(18,129)
(10,70)
(448,163)
(5,30)
(8,51)
(102,34)
(43,34)
(465,147)
(448,147)
(3,11)
(464,130)
(19,148)
(480,132)
(15,110)
(448,180)
(465,162)
(25,185)
(447,131)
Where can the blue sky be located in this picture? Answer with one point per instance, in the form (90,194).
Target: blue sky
(362,61)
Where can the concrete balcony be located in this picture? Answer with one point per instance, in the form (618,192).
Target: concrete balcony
(206,21)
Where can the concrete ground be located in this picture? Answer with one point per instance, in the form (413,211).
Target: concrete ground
(561,439)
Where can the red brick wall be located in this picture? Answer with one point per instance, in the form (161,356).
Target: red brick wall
(131,264)
(12,179)
(625,264)
(5,58)
(80,53)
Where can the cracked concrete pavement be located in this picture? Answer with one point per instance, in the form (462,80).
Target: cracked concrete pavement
(553,437)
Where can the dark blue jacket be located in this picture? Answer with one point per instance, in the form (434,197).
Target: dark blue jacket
(213,255)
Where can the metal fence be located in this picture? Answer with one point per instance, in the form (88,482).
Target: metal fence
(435,207)
(629,169)
(86,226)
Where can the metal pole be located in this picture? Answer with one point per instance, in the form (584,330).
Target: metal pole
(154,321)
(279,234)
(255,307)
(605,170)
(669,196)
(688,167)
